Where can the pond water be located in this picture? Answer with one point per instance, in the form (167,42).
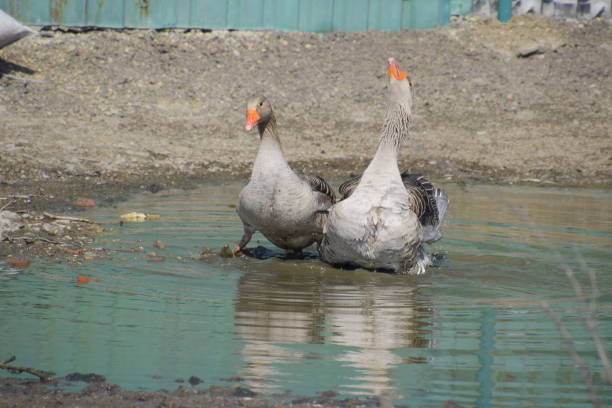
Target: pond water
(472,330)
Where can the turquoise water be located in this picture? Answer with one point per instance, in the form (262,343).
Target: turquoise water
(472,330)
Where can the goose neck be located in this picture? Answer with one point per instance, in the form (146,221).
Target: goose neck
(396,127)
(270,154)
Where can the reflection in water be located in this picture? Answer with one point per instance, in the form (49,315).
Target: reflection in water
(368,314)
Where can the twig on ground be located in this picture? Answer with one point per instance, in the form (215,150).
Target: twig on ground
(6,205)
(23,79)
(76,219)
(32,239)
(24,196)
(44,376)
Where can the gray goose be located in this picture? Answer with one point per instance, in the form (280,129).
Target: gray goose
(385,217)
(288,208)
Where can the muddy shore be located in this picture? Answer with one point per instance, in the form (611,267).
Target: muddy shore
(32,394)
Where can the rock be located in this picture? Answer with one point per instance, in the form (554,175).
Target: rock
(86,279)
(193,380)
(244,392)
(84,202)
(101,388)
(528,50)
(53,228)
(205,254)
(18,263)
(155,188)
(159,245)
(226,252)
(88,378)
(9,222)
(183,391)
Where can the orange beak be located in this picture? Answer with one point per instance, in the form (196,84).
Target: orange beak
(395,71)
(252,119)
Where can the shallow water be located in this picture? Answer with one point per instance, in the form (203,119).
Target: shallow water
(472,330)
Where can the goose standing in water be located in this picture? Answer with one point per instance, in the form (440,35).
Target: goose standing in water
(288,208)
(385,217)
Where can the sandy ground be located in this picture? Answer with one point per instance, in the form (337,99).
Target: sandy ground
(99,114)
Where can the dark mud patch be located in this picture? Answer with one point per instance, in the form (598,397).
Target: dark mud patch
(33,394)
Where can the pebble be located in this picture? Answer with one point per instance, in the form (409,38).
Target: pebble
(84,202)
(18,263)
(9,222)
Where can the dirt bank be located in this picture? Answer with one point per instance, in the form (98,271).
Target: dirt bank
(527,100)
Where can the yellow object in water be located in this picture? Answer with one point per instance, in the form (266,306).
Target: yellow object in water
(138,216)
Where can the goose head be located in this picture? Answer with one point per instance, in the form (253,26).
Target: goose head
(400,86)
(258,113)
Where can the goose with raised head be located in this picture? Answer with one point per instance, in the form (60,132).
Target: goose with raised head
(287,207)
(385,217)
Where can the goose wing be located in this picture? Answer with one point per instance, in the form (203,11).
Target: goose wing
(347,188)
(422,197)
(319,185)
(428,202)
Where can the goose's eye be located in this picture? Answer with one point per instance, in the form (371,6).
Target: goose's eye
(261,103)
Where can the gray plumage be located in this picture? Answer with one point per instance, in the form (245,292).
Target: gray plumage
(385,217)
(426,201)
(288,208)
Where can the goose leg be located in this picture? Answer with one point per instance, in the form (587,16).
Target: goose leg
(246,237)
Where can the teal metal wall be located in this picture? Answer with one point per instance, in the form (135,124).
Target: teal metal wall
(300,15)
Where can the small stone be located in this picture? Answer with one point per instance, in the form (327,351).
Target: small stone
(244,392)
(84,202)
(606,46)
(155,188)
(159,245)
(226,252)
(53,228)
(18,263)
(205,254)
(193,380)
(88,378)
(183,391)
(101,388)
(9,222)
(527,50)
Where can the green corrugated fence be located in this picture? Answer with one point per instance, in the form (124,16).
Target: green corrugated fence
(291,15)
